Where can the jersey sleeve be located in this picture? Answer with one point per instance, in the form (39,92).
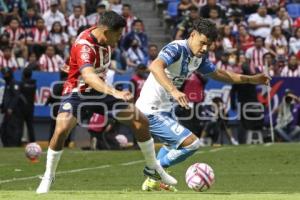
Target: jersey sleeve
(170,53)
(85,56)
(207,67)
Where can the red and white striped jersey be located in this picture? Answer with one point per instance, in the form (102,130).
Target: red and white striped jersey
(86,52)
(75,23)
(51,64)
(10,63)
(15,35)
(128,27)
(287,72)
(276,42)
(256,58)
(43,5)
(38,36)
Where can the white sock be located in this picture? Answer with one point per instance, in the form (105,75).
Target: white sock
(148,151)
(53,158)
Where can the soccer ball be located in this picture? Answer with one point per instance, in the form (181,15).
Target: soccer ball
(200,177)
(122,140)
(33,151)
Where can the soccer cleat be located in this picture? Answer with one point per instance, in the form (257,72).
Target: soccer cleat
(159,174)
(153,185)
(166,187)
(45,185)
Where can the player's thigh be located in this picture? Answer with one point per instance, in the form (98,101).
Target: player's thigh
(65,122)
(168,130)
(131,114)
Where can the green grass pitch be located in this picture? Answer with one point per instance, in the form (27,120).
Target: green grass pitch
(259,172)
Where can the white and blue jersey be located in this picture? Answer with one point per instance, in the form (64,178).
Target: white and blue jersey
(154,100)
(180,64)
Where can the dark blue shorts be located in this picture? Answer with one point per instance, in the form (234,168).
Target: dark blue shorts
(83,105)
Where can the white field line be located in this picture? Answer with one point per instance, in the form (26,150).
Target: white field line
(70,171)
(132,162)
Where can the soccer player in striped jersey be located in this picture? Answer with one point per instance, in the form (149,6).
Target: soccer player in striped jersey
(175,62)
(85,90)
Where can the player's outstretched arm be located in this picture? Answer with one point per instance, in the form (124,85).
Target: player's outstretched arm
(92,79)
(234,78)
(157,68)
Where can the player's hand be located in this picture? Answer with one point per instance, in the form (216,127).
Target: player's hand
(124,95)
(260,79)
(181,98)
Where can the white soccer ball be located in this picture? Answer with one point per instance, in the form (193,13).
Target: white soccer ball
(122,140)
(33,151)
(200,177)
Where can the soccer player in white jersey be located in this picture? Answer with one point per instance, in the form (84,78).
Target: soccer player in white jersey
(174,64)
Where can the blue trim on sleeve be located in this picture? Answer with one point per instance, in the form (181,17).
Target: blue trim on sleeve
(206,67)
(170,53)
(85,65)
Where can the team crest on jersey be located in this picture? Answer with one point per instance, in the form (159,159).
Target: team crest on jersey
(67,106)
(85,57)
(85,53)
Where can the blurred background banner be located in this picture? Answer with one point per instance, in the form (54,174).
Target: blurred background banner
(44,81)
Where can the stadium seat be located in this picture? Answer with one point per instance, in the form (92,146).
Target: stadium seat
(294,10)
(172,9)
(254,137)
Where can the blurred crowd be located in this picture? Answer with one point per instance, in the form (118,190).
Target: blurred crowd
(39,33)
(264,34)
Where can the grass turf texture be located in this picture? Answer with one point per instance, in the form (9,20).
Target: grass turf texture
(244,172)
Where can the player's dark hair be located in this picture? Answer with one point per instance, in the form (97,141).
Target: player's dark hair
(112,20)
(206,27)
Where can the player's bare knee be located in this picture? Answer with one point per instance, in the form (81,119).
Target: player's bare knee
(189,140)
(194,146)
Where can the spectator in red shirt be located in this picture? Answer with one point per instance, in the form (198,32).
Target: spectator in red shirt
(129,17)
(94,17)
(245,40)
(17,37)
(228,41)
(38,37)
(138,79)
(269,63)
(276,43)
(76,20)
(50,61)
(8,60)
(292,69)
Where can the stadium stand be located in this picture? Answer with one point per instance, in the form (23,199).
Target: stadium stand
(38,34)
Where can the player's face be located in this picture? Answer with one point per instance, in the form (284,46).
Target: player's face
(198,44)
(113,36)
